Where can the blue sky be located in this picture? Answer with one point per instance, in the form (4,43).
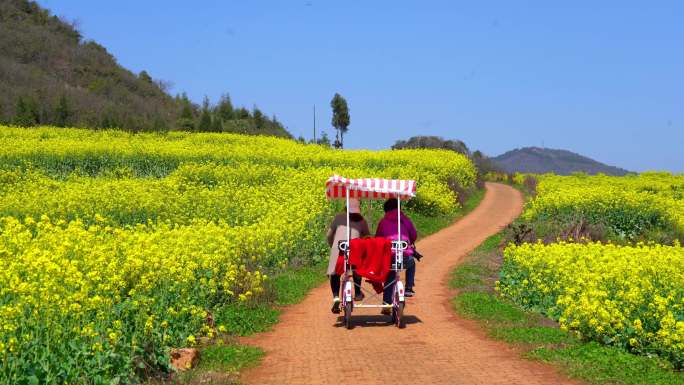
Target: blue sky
(605,79)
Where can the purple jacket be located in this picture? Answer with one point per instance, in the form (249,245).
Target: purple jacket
(388,226)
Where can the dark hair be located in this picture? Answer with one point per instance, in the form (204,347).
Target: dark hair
(355,217)
(390,204)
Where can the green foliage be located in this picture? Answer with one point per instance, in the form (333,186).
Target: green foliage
(340,118)
(324,140)
(62,112)
(433,142)
(144,76)
(224,109)
(27,113)
(204,124)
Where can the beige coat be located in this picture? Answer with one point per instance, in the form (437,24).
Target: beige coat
(338,232)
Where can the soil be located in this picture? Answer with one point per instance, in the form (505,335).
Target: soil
(311,346)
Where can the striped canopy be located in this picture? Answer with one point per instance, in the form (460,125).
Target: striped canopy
(369,188)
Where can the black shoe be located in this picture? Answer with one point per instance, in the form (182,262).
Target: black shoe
(409,293)
(336,306)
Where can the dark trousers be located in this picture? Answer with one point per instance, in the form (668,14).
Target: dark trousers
(335,284)
(410,266)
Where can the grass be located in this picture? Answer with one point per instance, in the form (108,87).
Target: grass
(229,358)
(292,285)
(540,338)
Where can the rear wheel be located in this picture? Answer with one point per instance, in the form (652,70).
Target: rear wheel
(347,314)
(398,315)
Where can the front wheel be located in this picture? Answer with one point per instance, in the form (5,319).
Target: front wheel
(347,314)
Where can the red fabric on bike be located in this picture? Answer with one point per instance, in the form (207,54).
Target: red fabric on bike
(339,265)
(372,258)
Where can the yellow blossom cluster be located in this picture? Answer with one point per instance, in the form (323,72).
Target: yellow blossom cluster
(115,246)
(629,296)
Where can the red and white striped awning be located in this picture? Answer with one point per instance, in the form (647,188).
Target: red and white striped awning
(369,188)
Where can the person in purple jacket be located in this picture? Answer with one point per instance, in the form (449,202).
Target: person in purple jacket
(387,228)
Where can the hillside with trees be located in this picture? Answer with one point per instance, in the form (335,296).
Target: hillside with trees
(50,75)
(483,163)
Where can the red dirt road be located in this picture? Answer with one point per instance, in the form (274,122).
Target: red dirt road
(309,346)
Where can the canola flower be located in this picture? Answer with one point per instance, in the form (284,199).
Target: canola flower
(628,296)
(629,205)
(116,246)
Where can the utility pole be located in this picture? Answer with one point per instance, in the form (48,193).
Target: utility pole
(314,121)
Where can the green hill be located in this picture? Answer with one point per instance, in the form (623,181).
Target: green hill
(50,75)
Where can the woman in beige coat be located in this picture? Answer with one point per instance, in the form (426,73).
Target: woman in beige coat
(358,228)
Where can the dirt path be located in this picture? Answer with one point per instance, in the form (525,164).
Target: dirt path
(310,347)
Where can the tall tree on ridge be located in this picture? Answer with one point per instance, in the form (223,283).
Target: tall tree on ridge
(204,124)
(225,108)
(340,118)
(186,121)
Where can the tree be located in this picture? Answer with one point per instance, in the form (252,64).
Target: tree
(225,109)
(186,121)
(242,113)
(432,142)
(259,119)
(204,123)
(340,118)
(26,114)
(324,140)
(144,76)
(62,112)
(216,124)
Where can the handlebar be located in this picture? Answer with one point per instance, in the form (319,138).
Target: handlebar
(396,245)
(342,245)
(399,245)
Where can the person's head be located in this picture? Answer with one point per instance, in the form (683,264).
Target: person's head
(390,204)
(354,206)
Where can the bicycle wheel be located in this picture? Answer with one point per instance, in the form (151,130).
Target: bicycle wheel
(347,315)
(398,315)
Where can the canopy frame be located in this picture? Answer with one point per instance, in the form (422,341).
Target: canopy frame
(338,187)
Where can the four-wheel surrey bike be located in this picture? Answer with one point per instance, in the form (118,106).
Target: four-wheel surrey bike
(338,187)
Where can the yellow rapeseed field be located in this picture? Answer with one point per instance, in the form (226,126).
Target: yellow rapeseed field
(628,205)
(116,246)
(629,296)
(632,295)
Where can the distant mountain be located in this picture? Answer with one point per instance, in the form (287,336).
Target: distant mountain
(542,160)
